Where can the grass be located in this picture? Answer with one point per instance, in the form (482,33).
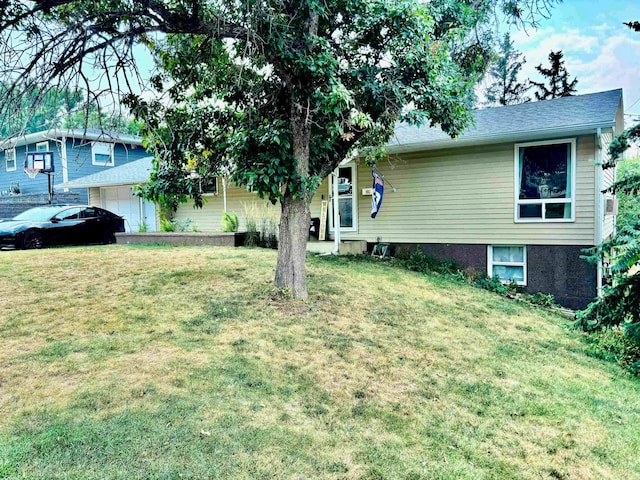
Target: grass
(165,363)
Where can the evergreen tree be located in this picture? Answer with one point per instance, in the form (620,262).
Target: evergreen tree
(505,88)
(557,76)
(619,306)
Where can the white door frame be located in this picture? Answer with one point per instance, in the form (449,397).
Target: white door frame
(353,196)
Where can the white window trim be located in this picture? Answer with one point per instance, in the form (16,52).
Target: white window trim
(46,145)
(544,201)
(15,160)
(491,263)
(111,154)
(354,197)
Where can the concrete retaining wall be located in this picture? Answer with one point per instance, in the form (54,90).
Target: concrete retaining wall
(183,238)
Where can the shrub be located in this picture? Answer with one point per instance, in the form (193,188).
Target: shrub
(167,225)
(613,344)
(229,222)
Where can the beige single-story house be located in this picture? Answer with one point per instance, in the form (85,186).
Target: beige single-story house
(518,195)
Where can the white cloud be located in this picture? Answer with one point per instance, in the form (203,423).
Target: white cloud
(602,57)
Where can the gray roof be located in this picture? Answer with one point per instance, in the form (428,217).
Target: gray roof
(130,173)
(527,121)
(88,134)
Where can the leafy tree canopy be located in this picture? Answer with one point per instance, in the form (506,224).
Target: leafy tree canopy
(619,304)
(41,109)
(557,77)
(278,92)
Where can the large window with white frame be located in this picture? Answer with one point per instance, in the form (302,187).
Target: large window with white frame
(10,159)
(102,154)
(545,175)
(508,263)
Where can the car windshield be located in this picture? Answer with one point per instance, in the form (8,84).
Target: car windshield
(39,214)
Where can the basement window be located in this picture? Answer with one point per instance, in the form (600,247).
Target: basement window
(508,263)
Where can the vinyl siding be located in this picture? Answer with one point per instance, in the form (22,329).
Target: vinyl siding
(209,217)
(78,165)
(79,161)
(462,196)
(94,196)
(466,196)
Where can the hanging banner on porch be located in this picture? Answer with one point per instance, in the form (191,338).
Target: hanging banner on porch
(378,190)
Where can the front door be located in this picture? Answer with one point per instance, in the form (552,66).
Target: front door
(347,198)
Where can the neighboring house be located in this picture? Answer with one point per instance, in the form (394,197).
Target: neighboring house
(75,154)
(114,189)
(517,196)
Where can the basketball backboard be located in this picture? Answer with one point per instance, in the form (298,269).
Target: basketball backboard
(42,161)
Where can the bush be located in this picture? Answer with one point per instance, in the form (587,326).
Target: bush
(167,225)
(614,345)
(229,222)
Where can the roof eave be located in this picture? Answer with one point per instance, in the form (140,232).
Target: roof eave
(57,133)
(542,134)
(61,186)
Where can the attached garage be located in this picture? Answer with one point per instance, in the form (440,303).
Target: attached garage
(113,190)
(138,213)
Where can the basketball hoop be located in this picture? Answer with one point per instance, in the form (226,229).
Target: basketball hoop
(32,172)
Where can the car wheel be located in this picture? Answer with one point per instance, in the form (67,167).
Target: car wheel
(32,240)
(108,237)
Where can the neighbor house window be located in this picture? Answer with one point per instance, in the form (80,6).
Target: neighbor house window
(10,159)
(508,263)
(545,181)
(42,147)
(102,154)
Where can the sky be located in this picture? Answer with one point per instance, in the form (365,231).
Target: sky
(598,49)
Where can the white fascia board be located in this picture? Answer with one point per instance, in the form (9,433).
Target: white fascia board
(493,139)
(100,184)
(79,134)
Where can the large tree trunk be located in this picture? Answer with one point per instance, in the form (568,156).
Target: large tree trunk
(294,220)
(292,247)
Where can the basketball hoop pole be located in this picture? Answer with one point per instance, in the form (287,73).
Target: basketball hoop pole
(50,188)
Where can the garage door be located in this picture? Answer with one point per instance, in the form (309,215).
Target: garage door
(121,201)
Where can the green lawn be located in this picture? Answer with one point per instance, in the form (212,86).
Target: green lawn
(166,363)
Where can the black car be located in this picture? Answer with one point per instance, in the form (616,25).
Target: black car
(60,225)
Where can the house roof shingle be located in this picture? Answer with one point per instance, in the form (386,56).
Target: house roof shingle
(130,173)
(560,116)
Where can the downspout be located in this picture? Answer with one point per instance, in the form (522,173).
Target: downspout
(599,206)
(224,193)
(63,160)
(336,213)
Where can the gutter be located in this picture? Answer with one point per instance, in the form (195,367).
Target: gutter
(114,137)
